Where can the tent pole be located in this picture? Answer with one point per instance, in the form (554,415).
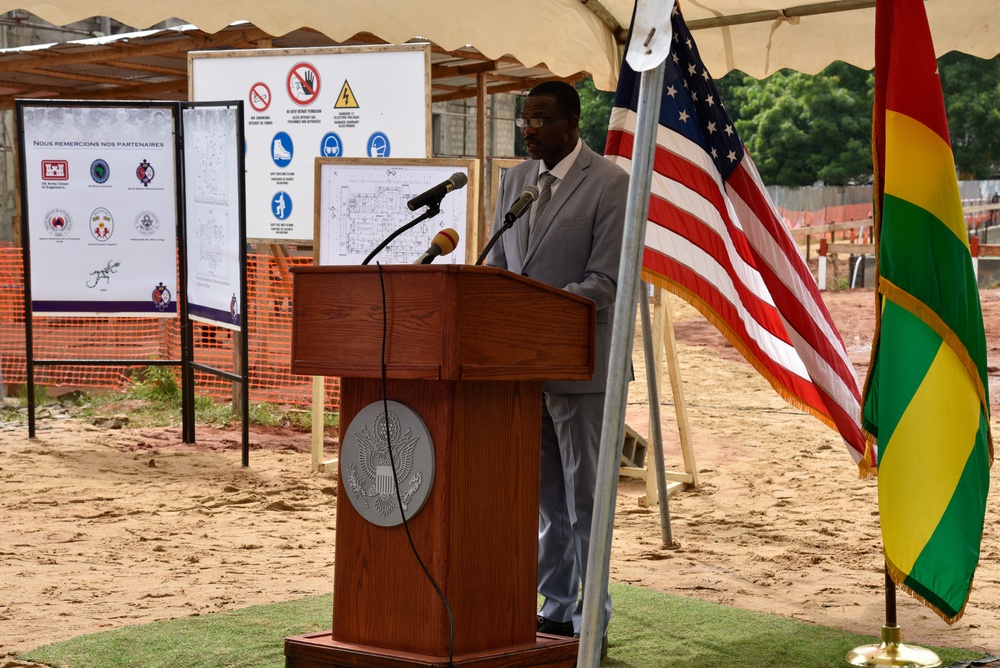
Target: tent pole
(619,365)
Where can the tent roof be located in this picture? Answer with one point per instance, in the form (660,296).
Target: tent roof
(567,37)
(152,64)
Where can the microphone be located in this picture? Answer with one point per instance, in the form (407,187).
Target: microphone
(516,210)
(523,203)
(443,243)
(437,193)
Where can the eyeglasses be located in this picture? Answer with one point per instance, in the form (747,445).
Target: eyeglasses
(535,122)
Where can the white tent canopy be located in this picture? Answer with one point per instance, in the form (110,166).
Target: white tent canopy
(572,36)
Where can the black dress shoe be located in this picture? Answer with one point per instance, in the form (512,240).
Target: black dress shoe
(604,644)
(564,629)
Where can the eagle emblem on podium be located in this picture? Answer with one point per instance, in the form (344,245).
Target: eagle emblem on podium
(382,447)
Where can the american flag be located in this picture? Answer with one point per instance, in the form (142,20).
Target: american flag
(715,239)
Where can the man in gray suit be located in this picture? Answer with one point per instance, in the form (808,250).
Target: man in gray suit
(571,238)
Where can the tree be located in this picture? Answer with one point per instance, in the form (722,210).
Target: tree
(972,97)
(801,129)
(595,114)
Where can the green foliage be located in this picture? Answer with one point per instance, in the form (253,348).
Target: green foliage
(648,630)
(972,97)
(801,129)
(154,383)
(595,114)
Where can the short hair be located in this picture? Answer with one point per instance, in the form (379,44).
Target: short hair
(565,95)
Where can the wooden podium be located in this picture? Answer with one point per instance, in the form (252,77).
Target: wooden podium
(467,348)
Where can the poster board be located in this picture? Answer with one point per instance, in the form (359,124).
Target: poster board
(213,213)
(367,101)
(498,166)
(361,201)
(99,188)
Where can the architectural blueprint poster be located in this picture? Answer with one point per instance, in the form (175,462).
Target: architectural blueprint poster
(100,209)
(301,104)
(361,202)
(213,208)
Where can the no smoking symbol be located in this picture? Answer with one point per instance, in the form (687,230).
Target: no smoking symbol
(260,96)
(303,84)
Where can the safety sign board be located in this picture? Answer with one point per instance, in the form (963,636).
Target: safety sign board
(303,84)
(331,102)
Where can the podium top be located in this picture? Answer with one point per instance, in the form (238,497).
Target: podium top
(442,322)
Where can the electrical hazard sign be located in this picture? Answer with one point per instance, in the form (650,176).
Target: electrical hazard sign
(346,99)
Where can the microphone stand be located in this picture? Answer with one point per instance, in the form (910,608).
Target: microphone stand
(508,221)
(433,209)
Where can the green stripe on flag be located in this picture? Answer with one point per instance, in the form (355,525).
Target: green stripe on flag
(943,573)
(924,258)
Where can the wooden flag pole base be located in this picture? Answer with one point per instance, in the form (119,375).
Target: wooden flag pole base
(892,652)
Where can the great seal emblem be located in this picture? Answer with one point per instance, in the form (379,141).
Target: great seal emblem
(367,468)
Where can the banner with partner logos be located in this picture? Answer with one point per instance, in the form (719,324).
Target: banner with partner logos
(100,208)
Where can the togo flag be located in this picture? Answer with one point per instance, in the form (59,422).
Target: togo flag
(925,398)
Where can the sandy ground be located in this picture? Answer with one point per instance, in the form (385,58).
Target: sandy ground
(102,528)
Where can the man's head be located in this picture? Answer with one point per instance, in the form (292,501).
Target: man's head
(557,106)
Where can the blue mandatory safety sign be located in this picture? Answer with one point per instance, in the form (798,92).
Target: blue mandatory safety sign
(282,149)
(281,205)
(378,145)
(331,146)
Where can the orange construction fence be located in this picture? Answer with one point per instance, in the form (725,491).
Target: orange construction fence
(858,212)
(269,315)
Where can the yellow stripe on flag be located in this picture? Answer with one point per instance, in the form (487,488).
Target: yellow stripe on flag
(920,169)
(926,456)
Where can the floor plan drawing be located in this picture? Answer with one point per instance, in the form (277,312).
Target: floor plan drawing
(364,204)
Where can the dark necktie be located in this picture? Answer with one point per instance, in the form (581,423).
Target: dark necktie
(544,195)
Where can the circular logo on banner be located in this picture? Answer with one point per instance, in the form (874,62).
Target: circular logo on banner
(378,145)
(102,225)
(147,223)
(99,171)
(303,84)
(281,205)
(282,149)
(331,146)
(366,466)
(58,222)
(260,97)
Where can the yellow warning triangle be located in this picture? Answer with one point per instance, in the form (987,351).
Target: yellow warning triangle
(346,99)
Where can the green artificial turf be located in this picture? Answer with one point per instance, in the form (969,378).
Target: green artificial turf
(648,630)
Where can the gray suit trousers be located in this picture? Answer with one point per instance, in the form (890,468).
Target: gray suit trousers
(571,434)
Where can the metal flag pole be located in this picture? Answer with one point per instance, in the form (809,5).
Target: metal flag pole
(636,212)
(655,429)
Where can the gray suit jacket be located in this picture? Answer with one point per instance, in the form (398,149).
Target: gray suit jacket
(576,245)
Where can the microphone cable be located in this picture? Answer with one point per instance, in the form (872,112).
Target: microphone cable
(395,483)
